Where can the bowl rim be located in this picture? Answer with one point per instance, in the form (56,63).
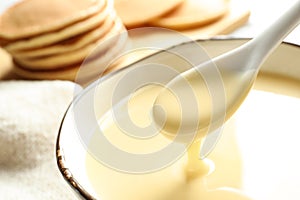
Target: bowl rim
(62,163)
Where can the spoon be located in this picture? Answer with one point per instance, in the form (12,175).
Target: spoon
(196,103)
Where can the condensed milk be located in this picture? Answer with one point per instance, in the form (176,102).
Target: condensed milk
(186,178)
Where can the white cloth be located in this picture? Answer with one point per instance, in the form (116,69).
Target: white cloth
(30,115)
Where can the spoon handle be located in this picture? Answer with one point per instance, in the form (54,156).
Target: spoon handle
(269,39)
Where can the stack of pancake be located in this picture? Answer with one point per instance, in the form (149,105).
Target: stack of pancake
(52,39)
(172,14)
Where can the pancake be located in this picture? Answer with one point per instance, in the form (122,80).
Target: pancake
(95,65)
(138,12)
(61,60)
(193,13)
(57,36)
(32,17)
(71,44)
(78,72)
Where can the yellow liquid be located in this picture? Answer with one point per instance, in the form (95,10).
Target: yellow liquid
(184,179)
